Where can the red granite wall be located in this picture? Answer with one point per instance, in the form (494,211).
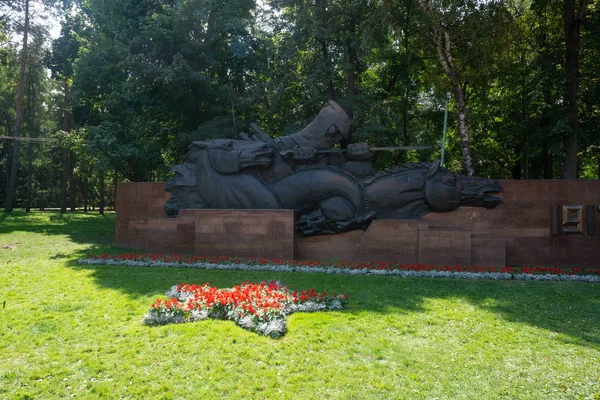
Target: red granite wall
(525,222)
(538,223)
(142,224)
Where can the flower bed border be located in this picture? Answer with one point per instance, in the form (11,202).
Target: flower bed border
(345,267)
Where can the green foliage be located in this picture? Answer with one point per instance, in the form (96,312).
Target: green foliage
(180,66)
(148,77)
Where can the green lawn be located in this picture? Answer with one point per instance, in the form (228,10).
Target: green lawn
(75,331)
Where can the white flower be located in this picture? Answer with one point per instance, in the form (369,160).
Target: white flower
(173,292)
(154,317)
(273,328)
(198,315)
(336,270)
(308,306)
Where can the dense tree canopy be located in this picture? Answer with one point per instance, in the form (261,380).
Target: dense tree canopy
(119,95)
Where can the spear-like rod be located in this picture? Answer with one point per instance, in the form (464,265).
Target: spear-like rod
(386,148)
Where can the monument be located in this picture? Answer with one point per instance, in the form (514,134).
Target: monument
(331,191)
(302,197)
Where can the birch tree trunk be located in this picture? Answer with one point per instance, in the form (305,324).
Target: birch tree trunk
(441,39)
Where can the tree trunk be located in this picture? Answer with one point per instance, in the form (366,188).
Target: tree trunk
(31,107)
(407,62)
(517,170)
(12,185)
(102,190)
(546,62)
(66,168)
(32,133)
(72,192)
(572,25)
(330,86)
(525,163)
(115,183)
(403,137)
(29,177)
(323,16)
(63,182)
(352,76)
(330,90)
(84,194)
(547,162)
(9,151)
(441,39)
(598,156)
(463,128)
(598,159)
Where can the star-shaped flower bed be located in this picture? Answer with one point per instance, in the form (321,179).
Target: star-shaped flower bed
(258,307)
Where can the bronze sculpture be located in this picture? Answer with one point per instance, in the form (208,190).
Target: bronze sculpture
(331,193)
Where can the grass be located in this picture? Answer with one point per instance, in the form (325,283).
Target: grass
(75,331)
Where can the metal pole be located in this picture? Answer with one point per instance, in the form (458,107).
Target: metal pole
(448,95)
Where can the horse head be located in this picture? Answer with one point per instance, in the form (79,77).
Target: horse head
(446,191)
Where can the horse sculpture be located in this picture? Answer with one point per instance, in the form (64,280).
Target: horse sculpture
(237,174)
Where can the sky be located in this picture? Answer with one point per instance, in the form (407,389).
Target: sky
(54,28)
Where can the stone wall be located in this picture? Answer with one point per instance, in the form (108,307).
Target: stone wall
(538,223)
(143,224)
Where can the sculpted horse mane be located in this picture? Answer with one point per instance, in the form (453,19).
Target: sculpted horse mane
(400,169)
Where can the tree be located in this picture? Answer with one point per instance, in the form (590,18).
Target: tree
(12,185)
(590,95)
(154,73)
(441,38)
(65,50)
(9,72)
(573,19)
(36,77)
(143,78)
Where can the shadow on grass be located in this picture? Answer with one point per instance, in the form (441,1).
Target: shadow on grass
(89,228)
(567,308)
